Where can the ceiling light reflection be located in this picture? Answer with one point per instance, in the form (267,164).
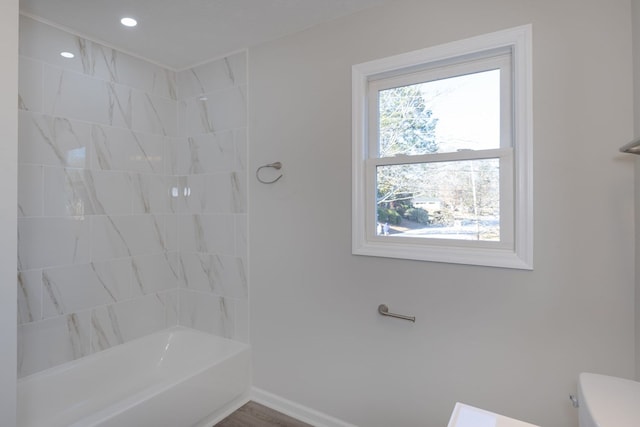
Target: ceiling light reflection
(128,22)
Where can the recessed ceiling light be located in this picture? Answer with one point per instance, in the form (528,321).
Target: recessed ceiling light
(128,22)
(67,55)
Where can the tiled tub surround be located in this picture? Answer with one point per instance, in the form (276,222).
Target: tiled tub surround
(209,160)
(132,213)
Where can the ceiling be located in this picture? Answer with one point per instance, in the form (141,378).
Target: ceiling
(182,33)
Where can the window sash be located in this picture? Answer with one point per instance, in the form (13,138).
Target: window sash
(500,62)
(507,199)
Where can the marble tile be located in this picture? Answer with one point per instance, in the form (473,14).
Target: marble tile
(51,342)
(152,193)
(176,191)
(206,153)
(234,277)
(171,147)
(226,193)
(29,296)
(67,193)
(76,192)
(79,287)
(115,276)
(105,63)
(105,328)
(30,190)
(126,150)
(171,227)
(198,273)
(121,322)
(221,111)
(170,299)
(126,236)
(113,191)
(118,67)
(50,141)
(81,97)
(154,273)
(239,194)
(44,42)
(191,195)
(30,85)
(207,313)
(212,193)
(240,139)
(241,332)
(213,76)
(221,275)
(153,114)
(242,248)
(207,233)
(47,242)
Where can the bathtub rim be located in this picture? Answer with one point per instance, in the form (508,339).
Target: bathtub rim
(63,367)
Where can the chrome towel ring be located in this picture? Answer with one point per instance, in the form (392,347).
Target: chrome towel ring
(276,166)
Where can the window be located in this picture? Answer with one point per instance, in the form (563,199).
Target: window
(442,153)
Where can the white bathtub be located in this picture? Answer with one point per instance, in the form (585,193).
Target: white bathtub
(175,378)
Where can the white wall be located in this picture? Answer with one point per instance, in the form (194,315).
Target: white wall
(8,207)
(509,341)
(635,9)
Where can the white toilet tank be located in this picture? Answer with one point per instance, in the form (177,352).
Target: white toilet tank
(608,401)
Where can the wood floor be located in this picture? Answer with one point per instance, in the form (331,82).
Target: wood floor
(256,415)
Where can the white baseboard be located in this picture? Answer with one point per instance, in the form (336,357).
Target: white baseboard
(295,410)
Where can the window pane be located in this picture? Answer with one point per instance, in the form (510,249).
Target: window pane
(445,200)
(440,116)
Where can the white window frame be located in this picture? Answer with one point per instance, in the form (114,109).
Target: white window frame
(515,249)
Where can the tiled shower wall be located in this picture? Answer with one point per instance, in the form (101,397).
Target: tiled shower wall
(209,159)
(131,198)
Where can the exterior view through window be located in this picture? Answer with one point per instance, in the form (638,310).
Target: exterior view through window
(442,153)
(430,197)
